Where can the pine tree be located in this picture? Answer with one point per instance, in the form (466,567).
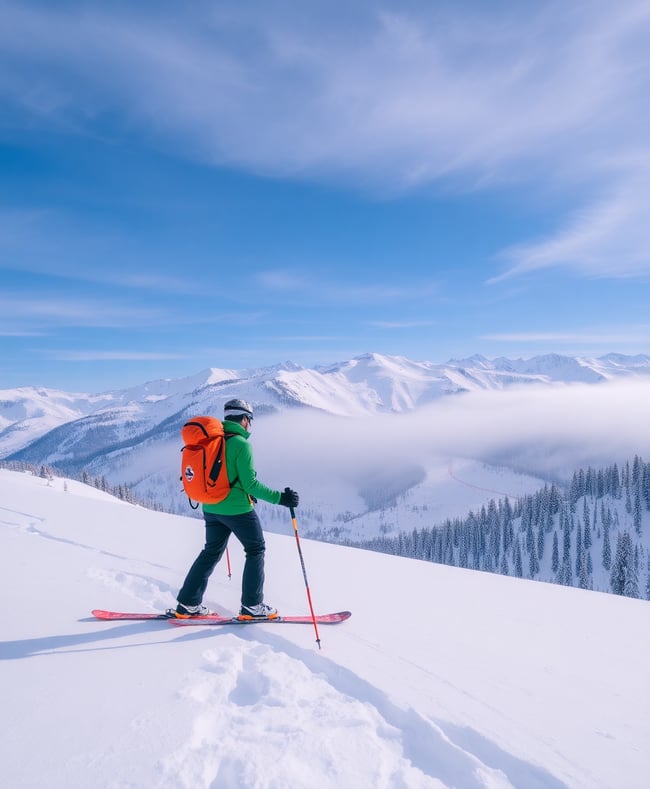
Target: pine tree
(566,542)
(583,572)
(586,534)
(555,558)
(645,485)
(578,549)
(624,578)
(636,515)
(631,588)
(530,538)
(519,569)
(533,562)
(607,548)
(463,549)
(566,574)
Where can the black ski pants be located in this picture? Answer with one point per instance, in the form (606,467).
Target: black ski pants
(218,528)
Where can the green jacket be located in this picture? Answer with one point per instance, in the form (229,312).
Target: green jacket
(241,474)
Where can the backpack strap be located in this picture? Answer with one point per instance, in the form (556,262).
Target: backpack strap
(236,480)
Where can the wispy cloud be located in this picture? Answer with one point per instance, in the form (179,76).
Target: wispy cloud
(282,280)
(396,98)
(106,356)
(405,324)
(316,288)
(31,240)
(19,333)
(49,310)
(547,96)
(607,239)
(635,335)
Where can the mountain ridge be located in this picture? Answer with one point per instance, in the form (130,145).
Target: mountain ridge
(369,383)
(132,437)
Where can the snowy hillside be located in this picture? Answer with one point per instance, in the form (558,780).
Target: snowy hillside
(443,677)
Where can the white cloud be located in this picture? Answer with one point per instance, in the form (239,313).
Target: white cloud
(281,280)
(105,356)
(637,336)
(547,432)
(550,95)
(405,324)
(314,288)
(607,239)
(402,97)
(41,310)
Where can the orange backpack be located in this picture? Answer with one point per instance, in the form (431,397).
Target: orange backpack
(203,461)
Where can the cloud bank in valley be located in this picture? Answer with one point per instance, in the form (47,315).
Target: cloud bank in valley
(548,432)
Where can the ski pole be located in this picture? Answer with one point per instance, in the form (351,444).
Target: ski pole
(228,562)
(304,572)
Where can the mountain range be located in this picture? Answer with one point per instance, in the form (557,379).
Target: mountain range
(128,434)
(367,384)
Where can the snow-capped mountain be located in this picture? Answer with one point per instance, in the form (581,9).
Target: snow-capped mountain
(372,383)
(132,436)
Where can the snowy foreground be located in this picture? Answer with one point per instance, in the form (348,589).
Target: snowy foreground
(441,678)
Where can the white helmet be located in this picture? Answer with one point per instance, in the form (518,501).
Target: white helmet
(238,408)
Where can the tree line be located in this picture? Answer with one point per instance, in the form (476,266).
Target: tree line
(594,534)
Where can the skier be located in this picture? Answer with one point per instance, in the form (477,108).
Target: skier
(236,515)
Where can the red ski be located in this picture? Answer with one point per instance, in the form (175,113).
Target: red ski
(214,619)
(98,613)
(321,619)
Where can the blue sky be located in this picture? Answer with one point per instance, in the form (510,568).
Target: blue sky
(217,184)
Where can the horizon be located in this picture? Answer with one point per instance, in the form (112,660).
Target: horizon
(228,187)
(324,367)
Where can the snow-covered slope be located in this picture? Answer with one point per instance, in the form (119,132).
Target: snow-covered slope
(441,678)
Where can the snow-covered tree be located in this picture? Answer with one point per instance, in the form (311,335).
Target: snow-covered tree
(519,568)
(555,558)
(607,548)
(623,578)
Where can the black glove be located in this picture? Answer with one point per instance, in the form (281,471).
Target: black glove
(289,498)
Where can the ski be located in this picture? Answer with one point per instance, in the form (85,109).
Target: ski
(214,619)
(321,619)
(98,613)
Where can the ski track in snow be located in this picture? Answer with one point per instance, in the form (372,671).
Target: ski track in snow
(148,592)
(33,524)
(454,476)
(263,675)
(260,680)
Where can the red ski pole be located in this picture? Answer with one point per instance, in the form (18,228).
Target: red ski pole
(228,562)
(304,573)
